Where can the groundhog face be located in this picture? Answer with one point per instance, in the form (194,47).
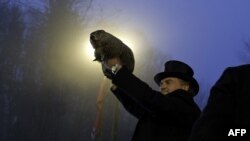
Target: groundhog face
(96,37)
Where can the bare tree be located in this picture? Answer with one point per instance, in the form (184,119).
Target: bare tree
(11,43)
(247,48)
(244,54)
(36,55)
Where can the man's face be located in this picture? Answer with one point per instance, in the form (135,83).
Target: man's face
(170,84)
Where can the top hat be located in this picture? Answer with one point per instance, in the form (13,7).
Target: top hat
(180,70)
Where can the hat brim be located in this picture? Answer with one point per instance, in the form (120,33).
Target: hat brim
(194,84)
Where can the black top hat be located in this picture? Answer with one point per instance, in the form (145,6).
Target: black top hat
(180,70)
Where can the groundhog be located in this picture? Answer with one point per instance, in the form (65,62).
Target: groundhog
(108,46)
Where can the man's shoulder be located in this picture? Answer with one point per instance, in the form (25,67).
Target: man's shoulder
(237,75)
(235,69)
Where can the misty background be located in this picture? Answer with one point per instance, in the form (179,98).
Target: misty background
(49,84)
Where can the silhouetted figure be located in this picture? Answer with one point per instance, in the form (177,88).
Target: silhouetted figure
(227,107)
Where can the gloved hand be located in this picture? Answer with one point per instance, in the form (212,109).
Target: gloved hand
(107,71)
(110,67)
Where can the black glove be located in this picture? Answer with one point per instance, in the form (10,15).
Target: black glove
(107,72)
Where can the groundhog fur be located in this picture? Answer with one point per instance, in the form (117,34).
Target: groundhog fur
(108,46)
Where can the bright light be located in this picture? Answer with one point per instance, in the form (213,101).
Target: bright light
(89,50)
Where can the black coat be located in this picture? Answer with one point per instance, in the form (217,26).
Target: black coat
(227,107)
(161,117)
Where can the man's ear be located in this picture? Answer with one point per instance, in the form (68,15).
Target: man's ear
(185,87)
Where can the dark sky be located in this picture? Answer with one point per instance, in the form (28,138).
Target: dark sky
(208,35)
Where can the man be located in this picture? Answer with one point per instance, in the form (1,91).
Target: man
(227,108)
(167,115)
